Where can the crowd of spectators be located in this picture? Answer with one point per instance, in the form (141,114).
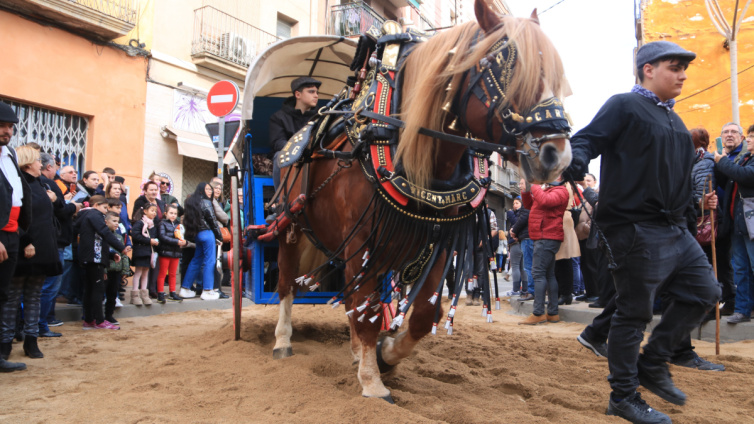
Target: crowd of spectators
(70,239)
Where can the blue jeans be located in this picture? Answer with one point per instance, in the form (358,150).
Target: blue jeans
(743,258)
(203,262)
(578,279)
(50,290)
(527,248)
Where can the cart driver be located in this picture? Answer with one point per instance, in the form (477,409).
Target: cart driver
(297,110)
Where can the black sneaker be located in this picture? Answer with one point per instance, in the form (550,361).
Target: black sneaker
(173,297)
(635,410)
(599,349)
(222,295)
(698,363)
(160,299)
(55,323)
(657,379)
(111,319)
(49,334)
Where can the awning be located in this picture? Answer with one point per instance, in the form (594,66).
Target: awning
(191,144)
(324,57)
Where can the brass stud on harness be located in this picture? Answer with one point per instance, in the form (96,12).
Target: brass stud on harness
(446,108)
(452,51)
(529,119)
(449,87)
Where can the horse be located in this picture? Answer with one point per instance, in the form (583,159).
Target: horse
(436,82)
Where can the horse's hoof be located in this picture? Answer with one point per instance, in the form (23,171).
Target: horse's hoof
(381,364)
(282,352)
(388,399)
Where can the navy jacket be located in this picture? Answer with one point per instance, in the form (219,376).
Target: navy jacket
(728,172)
(95,239)
(168,243)
(63,212)
(521,227)
(142,246)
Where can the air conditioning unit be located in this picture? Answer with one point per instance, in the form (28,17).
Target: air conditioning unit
(237,49)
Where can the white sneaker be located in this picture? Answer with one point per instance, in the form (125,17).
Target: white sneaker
(117,303)
(186,293)
(210,295)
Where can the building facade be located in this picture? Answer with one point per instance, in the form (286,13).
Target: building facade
(77,93)
(706,97)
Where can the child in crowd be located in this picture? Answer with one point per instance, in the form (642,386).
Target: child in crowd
(144,235)
(170,253)
(95,238)
(116,270)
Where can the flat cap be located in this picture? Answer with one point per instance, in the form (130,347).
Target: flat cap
(119,179)
(656,50)
(301,81)
(7,114)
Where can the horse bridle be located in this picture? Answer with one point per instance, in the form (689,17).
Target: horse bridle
(491,78)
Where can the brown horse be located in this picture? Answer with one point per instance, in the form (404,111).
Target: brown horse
(339,206)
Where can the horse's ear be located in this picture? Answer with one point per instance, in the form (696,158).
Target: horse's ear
(486,18)
(534,17)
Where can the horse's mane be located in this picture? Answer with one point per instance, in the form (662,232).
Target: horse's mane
(429,67)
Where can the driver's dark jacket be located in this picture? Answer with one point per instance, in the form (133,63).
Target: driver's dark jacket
(647,158)
(286,122)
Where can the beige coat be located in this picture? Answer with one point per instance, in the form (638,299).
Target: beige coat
(570,246)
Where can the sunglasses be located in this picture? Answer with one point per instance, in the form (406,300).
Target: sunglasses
(164,183)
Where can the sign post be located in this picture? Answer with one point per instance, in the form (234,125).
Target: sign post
(222,99)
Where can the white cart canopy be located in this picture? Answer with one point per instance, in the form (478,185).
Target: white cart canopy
(324,57)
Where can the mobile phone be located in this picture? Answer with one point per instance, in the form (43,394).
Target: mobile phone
(719,141)
(72,188)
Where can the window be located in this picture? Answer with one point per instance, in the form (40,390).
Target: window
(60,134)
(284,29)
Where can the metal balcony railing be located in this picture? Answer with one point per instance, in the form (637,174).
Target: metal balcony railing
(124,10)
(352,19)
(221,35)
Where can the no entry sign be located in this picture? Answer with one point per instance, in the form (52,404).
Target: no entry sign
(223,98)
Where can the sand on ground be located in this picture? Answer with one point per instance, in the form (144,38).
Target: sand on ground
(186,368)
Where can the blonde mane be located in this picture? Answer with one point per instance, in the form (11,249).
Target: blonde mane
(429,67)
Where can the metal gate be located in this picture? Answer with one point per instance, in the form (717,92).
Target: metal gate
(61,134)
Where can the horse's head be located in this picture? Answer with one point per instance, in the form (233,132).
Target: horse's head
(498,81)
(514,94)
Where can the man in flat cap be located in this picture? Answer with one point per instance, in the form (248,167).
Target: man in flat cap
(296,112)
(648,216)
(15,213)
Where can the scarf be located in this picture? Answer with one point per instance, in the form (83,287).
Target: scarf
(652,96)
(148,224)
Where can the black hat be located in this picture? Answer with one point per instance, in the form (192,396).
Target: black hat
(7,114)
(301,81)
(119,179)
(656,50)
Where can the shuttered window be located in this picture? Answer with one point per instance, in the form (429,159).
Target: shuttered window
(284,29)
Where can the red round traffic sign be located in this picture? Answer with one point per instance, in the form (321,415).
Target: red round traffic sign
(223,98)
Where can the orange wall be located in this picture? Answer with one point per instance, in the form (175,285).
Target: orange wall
(58,70)
(687,23)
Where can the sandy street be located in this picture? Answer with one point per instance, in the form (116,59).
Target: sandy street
(185,368)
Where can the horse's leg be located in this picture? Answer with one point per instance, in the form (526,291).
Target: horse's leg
(289,260)
(419,324)
(355,342)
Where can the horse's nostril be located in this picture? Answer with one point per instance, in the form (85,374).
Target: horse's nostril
(549,156)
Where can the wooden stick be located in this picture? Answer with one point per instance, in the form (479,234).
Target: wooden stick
(714,267)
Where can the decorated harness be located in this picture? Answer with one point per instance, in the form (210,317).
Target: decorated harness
(399,210)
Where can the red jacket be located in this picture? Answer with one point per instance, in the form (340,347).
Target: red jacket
(546,210)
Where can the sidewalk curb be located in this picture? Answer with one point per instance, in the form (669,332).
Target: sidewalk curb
(729,333)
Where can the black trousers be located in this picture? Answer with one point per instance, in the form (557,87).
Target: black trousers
(480,269)
(589,269)
(599,331)
(724,270)
(654,258)
(112,284)
(564,275)
(94,288)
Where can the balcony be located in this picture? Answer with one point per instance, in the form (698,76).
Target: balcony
(352,19)
(106,19)
(226,44)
